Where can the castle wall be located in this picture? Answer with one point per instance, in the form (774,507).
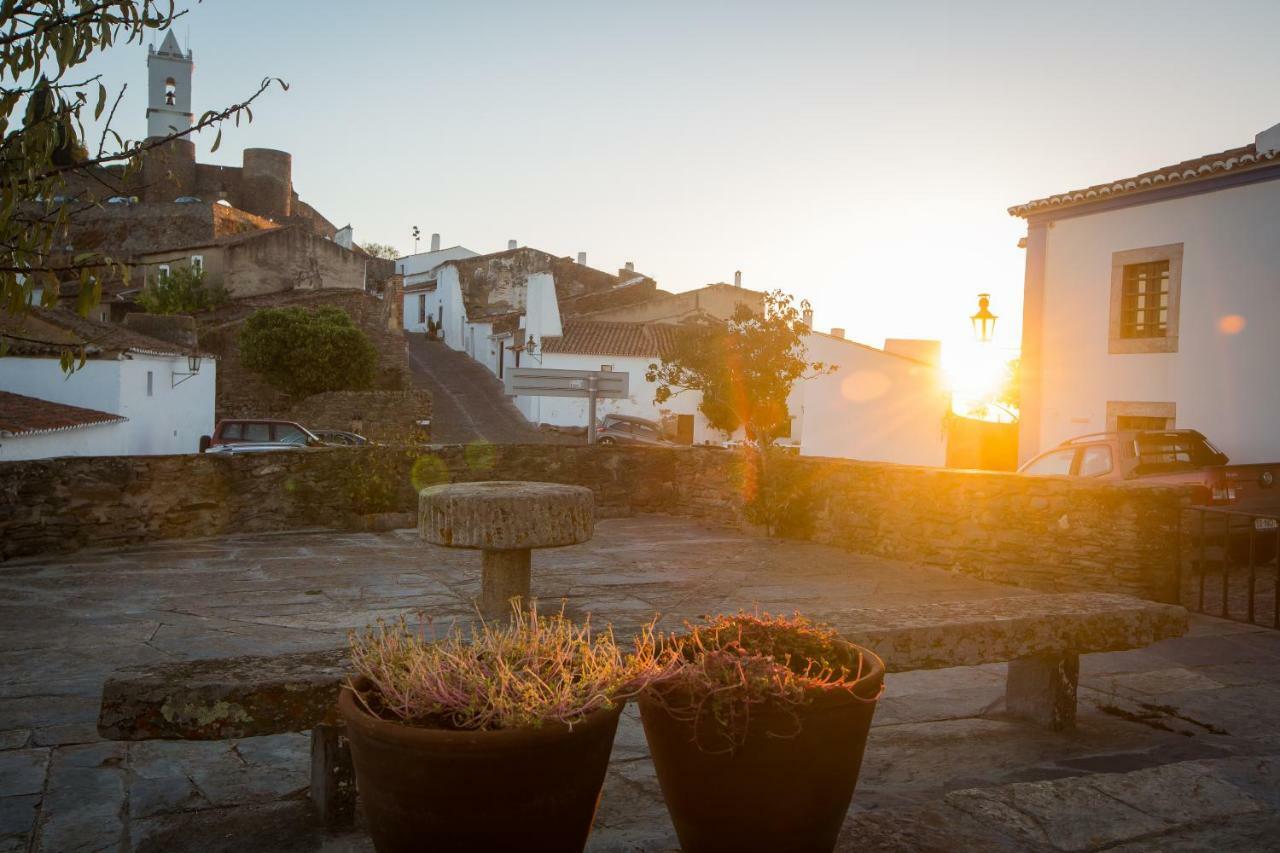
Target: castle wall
(266,183)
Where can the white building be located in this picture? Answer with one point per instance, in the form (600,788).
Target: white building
(31,428)
(1152,302)
(877,405)
(161,392)
(422,297)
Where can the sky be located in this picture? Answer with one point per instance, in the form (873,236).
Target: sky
(858,155)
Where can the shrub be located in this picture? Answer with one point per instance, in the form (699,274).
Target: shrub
(182,291)
(730,667)
(304,352)
(778,491)
(529,672)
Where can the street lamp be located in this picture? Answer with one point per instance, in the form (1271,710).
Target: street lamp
(416,232)
(984,322)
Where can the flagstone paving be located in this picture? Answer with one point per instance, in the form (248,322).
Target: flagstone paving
(1177,745)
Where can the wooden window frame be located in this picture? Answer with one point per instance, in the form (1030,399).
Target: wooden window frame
(1119,260)
(1117,409)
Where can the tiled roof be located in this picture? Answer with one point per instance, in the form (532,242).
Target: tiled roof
(44,331)
(1234,160)
(23,415)
(597,337)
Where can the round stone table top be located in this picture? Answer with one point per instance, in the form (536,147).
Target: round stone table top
(505,515)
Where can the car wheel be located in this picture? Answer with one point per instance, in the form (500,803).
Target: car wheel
(607,440)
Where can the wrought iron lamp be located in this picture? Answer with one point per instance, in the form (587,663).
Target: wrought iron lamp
(984,322)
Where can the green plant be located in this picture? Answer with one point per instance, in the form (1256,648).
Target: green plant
(730,667)
(304,352)
(526,673)
(744,368)
(181,291)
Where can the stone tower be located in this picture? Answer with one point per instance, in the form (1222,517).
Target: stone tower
(168,88)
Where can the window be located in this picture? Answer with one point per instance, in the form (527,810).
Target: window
(197,263)
(290,434)
(1144,300)
(1095,461)
(151,384)
(257,432)
(162,272)
(232,432)
(170,91)
(1145,288)
(1123,415)
(1055,462)
(606,368)
(422,309)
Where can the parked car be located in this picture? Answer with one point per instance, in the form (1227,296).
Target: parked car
(187,199)
(259,431)
(627,429)
(1177,457)
(340,438)
(254,447)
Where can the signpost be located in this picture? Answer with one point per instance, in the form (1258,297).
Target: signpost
(550,382)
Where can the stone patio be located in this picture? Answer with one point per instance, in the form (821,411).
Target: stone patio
(1177,746)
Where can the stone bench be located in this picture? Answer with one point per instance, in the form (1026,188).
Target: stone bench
(1041,636)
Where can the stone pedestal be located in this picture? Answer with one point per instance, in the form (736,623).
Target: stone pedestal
(1042,689)
(504,575)
(505,520)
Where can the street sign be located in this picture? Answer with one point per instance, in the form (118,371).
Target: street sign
(550,382)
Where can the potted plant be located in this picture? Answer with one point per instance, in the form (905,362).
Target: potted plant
(499,741)
(757,732)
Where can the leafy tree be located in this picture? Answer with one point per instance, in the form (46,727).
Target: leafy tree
(182,291)
(43,145)
(744,368)
(381,250)
(1007,397)
(304,352)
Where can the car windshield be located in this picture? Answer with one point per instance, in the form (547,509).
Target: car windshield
(1161,452)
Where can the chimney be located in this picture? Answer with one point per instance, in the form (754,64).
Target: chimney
(511,244)
(837,332)
(435,242)
(808,317)
(582,259)
(737,279)
(631,267)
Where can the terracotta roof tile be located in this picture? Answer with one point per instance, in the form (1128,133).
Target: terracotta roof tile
(1232,160)
(598,337)
(23,415)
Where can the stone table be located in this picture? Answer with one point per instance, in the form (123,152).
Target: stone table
(505,520)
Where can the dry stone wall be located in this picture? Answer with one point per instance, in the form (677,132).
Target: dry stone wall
(1052,534)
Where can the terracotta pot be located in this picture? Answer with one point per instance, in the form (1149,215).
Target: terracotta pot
(777,790)
(517,789)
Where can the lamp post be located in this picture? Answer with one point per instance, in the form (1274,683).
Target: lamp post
(984,322)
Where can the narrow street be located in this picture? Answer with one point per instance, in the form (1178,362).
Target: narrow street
(467,400)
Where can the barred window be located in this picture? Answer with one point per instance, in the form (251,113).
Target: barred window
(1144,307)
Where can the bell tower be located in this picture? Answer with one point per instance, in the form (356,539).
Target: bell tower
(168,88)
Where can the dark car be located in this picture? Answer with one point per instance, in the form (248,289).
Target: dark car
(1180,457)
(627,429)
(259,431)
(340,438)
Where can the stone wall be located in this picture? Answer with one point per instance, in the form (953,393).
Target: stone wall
(377,415)
(1052,534)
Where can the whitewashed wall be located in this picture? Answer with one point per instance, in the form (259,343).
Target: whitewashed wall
(1224,385)
(170,420)
(876,406)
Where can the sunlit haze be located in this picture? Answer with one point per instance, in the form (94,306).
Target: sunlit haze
(859,155)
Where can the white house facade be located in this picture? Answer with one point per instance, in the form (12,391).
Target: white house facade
(875,405)
(1152,302)
(31,428)
(162,392)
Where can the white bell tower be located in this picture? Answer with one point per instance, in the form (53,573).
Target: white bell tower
(168,88)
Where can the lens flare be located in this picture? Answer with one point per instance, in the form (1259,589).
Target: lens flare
(1231,324)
